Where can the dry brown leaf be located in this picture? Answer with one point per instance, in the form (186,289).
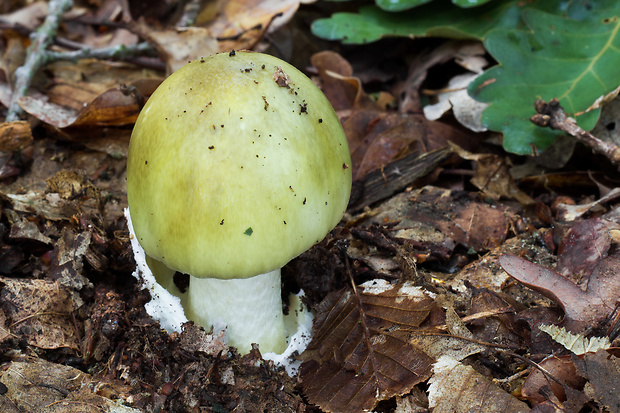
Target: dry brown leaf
(562,368)
(179,46)
(241,23)
(584,245)
(35,385)
(360,353)
(342,89)
(493,176)
(29,16)
(40,312)
(456,388)
(115,107)
(466,220)
(602,370)
(15,135)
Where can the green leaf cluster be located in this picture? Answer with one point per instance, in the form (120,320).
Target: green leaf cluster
(569,50)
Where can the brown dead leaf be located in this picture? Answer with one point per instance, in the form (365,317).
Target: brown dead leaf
(240,24)
(360,353)
(456,388)
(35,385)
(561,368)
(584,245)
(116,107)
(582,309)
(15,135)
(377,138)
(464,219)
(493,177)
(342,89)
(602,370)
(179,46)
(68,259)
(29,16)
(40,312)
(194,338)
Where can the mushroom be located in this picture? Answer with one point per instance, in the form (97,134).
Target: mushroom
(237,164)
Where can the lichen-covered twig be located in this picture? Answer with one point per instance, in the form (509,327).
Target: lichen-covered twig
(38,54)
(552,115)
(120,52)
(35,57)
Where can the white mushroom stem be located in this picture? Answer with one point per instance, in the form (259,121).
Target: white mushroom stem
(250,308)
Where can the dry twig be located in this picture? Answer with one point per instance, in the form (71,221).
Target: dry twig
(38,55)
(552,115)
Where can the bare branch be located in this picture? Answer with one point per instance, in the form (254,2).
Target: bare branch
(552,115)
(36,56)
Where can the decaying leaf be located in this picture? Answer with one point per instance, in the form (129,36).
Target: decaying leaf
(602,370)
(35,385)
(576,343)
(493,177)
(456,388)
(466,110)
(15,135)
(178,46)
(342,89)
(562,369)
(435,218)
(583,309)
(241,23)
(40,312)
(454,345)
(194,338)
(585,244)
(115,107)
(360,353)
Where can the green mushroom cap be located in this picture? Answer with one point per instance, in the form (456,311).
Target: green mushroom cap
(237,164)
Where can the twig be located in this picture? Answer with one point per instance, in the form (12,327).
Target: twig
(35,58)
(552,115)
(38,55)
(120,52)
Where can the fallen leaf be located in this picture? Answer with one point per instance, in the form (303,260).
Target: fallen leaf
(29,16)
(15,135)
(178,46)
(466,110)
(240,24)
(456,388)
(342,89)
(40,312)
(602,370)
(493,176)
(118,106)
(360,353)
(576,343)
(35,385)
(561,368)
(583,246)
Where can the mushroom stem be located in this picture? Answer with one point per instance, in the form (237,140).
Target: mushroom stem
(251,308)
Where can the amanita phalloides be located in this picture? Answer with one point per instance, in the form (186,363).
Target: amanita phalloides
(237,164)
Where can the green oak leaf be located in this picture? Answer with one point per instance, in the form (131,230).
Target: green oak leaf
(574,61)
(434,19)
(400,5)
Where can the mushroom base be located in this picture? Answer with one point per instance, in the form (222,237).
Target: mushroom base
(250,308)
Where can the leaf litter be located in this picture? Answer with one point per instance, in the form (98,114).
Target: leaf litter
(414,310)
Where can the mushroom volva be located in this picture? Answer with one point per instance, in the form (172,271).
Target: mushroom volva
(237,164)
